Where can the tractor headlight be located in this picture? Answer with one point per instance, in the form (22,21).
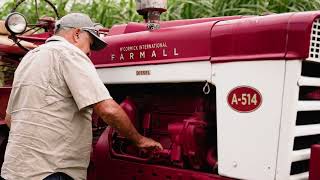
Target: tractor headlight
(16,23)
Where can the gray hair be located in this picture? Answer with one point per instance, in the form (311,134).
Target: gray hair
(58,30)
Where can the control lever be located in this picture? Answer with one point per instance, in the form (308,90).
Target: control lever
(149,155)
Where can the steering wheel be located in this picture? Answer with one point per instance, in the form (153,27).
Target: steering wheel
(43,23)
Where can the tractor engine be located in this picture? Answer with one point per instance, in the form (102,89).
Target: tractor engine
(180,116)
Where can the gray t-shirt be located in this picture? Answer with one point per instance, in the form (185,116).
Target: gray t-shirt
(53,88)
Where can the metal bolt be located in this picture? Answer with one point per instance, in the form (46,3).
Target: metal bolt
(235,164)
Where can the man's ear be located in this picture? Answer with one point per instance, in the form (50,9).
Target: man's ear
(76,35)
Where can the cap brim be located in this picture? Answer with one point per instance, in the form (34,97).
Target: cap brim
(98,43)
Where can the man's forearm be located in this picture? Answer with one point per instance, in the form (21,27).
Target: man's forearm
(123,125)
(114,116)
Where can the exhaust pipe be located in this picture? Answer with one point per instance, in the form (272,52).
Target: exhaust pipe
(151,11)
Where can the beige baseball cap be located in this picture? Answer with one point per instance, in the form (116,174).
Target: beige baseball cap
(83,22)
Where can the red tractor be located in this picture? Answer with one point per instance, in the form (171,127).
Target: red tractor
(228,97)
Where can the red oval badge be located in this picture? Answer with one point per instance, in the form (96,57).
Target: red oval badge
(244,99)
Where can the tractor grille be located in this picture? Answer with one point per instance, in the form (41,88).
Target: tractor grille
(315,42)
(307,129)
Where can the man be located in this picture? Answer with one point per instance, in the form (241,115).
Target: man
(54,91)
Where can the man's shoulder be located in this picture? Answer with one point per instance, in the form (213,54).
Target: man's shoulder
(54,46)
(57,49)
(64,49)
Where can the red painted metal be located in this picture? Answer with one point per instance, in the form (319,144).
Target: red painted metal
(138,27)
(178,122)
(299,30)
(11,50)
(244,99)
(160,46)
(109,168)
(272,37)
(4,97)
(235,38)
(188,140)
(130,108)
(16,51)
(313,94)
(314,173)
(250,38)
(166,24)
(37,39)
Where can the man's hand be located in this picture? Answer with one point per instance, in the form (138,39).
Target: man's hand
(113,115)
(149,144)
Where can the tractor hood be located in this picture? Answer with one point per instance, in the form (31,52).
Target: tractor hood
(237,38)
